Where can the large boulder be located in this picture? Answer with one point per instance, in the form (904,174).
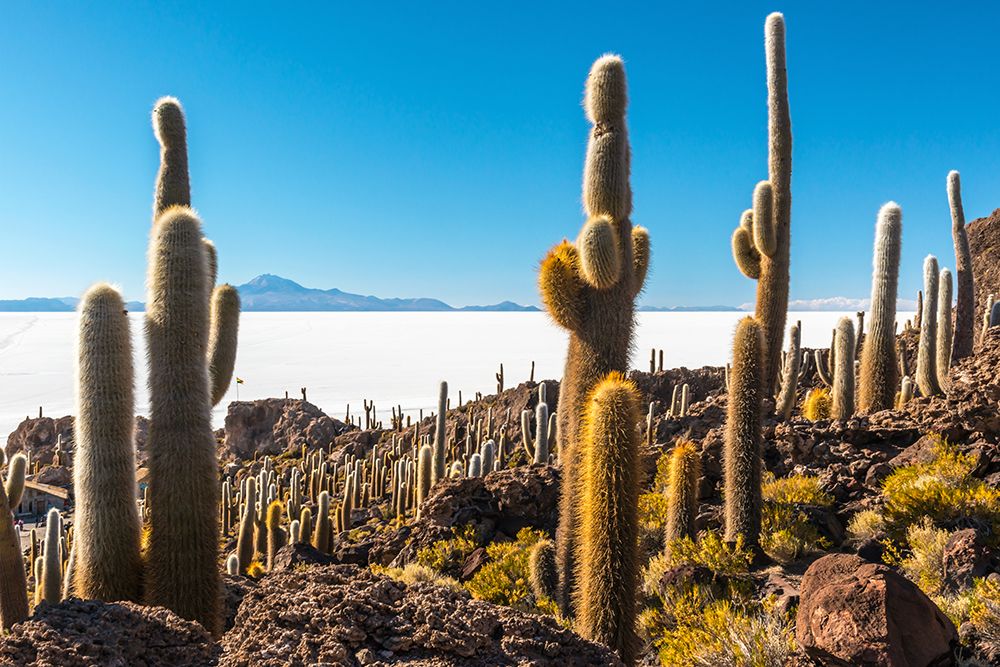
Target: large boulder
(37,437)
(273,426)
(77,633)
(853,612)
(345,615)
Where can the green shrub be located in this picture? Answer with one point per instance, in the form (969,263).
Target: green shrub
(448,556)
(415,573)
(786,531)
(712,552)
(943,489)
(866,525)
(505,578)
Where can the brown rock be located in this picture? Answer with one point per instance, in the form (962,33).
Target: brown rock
(291,556)
(858,613)
(76,633)
(965,558)
(273,426)
(343,615)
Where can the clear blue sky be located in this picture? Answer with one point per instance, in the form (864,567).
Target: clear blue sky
(435,149)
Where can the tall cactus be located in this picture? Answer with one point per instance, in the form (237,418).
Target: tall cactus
(173,187)
(843,373)
(682,490)
(743,434)
(425,465)
(608,545)
(589,288)
(943,346)
(276,536)
(14,586)
(761,244)
(106,548)
(52,559)
(440,436)
(965,308)
(17,468)
(182,569)
(879,367)
(927,377)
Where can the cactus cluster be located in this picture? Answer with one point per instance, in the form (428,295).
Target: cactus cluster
(589,288)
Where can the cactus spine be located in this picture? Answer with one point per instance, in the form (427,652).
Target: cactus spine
(943,347)
(52,559)
(608,545)
(879,368)
(224,326)
(965,308)
(682,492)
(761,244)
(14,586)
(927,377)
(108,564)
(843,373)
(743,434)
(589,288)
(440,442)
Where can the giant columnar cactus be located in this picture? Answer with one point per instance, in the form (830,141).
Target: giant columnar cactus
(440,436)
(790,373)
(323,534)
(52,559)
(927,377)
(682,490)
(943,347)
(108,563)
(761,244)
(245,546)
(965,308)
(173,188)
(843,373)
(182,558)
(16,471)
(13,584)
(225,322)
(608,545)
(879,368)
(589,288)
(743,434)
(424,468)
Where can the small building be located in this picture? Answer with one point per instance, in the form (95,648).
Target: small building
(142,481)
(38,498)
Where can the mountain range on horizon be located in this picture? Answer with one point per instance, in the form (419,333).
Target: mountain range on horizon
(271,293)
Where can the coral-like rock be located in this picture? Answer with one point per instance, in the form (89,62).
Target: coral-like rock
(344,615)
(83,633)
(277,425)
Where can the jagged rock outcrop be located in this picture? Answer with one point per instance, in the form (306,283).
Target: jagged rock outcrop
(984,244)
(273,426)
(37,437)
(76,633)
(501,502)
(344,615)
(853,612)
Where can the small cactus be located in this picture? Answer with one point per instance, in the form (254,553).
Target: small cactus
(322,536)
(843,373)
(879,366)
(276,536)
(440,442)
(475,465)
(233,565)
(682,491)
(542,575)
(52,559)
(424,468)
(790,373)
(943,346)
(927,376)
(245,546)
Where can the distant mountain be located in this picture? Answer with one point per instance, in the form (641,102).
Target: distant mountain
(687,309)
(272,293)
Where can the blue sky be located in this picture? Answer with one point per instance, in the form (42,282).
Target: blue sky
(435,149)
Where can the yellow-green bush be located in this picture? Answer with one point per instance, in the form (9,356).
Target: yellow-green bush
(924,565)
(448,556)
(866,525)
(943,489)
(505,578)
(816,405)
(786,531)
(415,573)
(984,613)
(710,551)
